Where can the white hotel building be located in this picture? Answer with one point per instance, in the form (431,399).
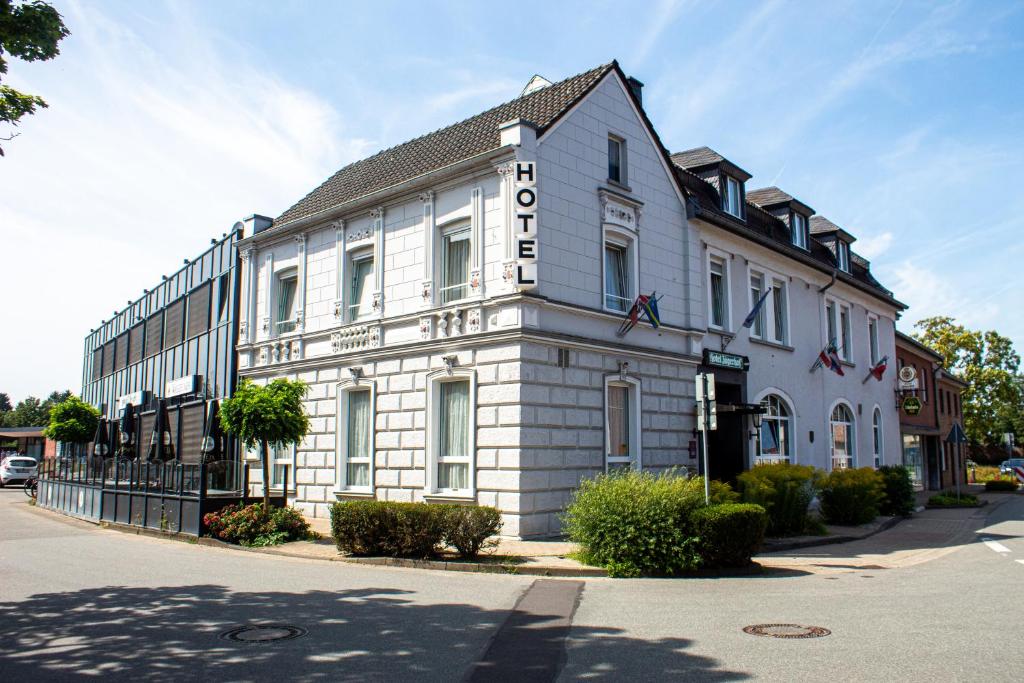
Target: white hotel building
(457,320)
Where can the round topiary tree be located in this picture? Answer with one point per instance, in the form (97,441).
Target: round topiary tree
(264,415)
(72,421)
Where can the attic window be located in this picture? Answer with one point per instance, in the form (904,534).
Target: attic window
(798,226)
(616,160)
(732,198)
(843,256)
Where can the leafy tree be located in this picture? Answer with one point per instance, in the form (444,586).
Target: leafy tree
(266,415)
(72,421)
(5,403)
(29,412)
(993,402)
(28,31)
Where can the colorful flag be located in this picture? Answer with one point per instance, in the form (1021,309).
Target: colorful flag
(650,305)
(833,355)
(748,322)
(878,369)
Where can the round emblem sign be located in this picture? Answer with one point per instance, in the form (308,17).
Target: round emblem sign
(907,374)
(912,405)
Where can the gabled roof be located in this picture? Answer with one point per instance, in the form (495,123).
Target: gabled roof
(767,197)
(821,226)
(433,151)
(702,157)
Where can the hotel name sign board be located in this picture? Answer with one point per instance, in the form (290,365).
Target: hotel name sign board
(731,361)
(524,178)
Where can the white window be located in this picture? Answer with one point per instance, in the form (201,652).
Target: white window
(719,293)
(798,226)
(622,423)
(360,290)
(779,311)
(282,458)
(452,408)
(873,340)
(846,347)
(843,255)
(287,302)
(756,291)
(616,277)
(775,442)
(876,433)
(843,447)
(355,439)
(830,322)
(616,159)
(733,199)
(455,255)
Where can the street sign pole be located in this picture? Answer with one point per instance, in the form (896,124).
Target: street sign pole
(706,422)
(959,463)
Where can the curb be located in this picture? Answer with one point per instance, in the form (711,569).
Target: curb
(832,540)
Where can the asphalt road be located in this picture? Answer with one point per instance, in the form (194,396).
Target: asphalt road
(81,602)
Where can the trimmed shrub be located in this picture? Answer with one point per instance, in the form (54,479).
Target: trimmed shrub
(784,491)
(1000,485)
(851,496)
(471,528)
(636,523)
(416,530)
(948,499)
(899,490)
(249,525)
(729,535)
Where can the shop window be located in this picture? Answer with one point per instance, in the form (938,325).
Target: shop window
(843,446)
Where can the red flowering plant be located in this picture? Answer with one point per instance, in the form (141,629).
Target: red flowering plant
(250,525)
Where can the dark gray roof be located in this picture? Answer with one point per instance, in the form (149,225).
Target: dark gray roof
(769,196)
(444,147)
(821,225)
(697,157)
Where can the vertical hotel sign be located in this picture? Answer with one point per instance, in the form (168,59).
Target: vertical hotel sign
(526,244)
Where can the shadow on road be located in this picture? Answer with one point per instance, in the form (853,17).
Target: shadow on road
(174,632)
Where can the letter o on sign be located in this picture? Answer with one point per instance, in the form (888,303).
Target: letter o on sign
(526,198)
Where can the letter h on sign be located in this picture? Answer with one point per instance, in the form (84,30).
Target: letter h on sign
(526,224)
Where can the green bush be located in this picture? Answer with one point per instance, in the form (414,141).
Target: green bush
(784,491)
(416,530)
(1000,485)
(729,534)
(471,528)
(899,490)
(851,496)
(638,523)
(948,499)
(249,525)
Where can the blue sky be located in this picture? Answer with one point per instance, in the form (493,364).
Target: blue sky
(901,121)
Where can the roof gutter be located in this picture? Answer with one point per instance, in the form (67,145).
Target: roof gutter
(831,282)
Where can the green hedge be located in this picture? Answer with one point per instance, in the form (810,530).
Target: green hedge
(851,496)
(948,499)
(416,530)
(899,491)
(638,523)
(729,534)
(784,491)
(1000,485)
(248,525)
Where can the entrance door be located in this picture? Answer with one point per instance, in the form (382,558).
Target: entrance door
(934,471)
(726,457)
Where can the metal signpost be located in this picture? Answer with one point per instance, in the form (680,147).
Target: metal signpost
(957,436)
(707,419)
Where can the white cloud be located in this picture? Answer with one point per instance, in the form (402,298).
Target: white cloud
(873,245)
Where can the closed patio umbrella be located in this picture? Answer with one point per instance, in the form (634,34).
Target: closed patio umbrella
(128,440)
(161,448)
(101,440)
(212,445)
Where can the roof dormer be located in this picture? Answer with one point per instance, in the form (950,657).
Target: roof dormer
(728,178)
(791,211)
(835,238)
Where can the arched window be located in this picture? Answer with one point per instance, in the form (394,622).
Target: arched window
(776,430)
(876,433)
(843,446)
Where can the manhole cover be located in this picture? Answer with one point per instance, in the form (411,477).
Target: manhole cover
(263,633)
(786,631)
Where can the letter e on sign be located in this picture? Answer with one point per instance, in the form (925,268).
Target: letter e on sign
(525,173)
(526,199)
(526,249)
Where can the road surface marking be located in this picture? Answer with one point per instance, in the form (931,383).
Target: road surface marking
(995,545)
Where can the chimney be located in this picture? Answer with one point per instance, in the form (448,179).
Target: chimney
(637,88)
(256,223)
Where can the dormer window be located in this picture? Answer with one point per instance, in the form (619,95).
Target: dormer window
(843,256)
(798,226)
(732,198)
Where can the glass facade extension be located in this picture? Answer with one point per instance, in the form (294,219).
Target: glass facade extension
(176,342)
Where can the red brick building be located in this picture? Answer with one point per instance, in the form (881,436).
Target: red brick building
(928,401)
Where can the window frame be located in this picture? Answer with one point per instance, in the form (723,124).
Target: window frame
(354,311)
(798,227)
(444,233)
(274,459)
(623,174)
(780,285)
(280,276)
(846,332)
(625,240)
(634,394)
(757,330)
(843,255)
(433,429)
(789,456)
(877,436)
(719,258)
(341,457)
(873,345)
(728,183)
(851,435)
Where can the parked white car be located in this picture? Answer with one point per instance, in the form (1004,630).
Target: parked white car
(17,469)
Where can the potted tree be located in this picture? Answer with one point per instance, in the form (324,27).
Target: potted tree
(72,421)
(266,415)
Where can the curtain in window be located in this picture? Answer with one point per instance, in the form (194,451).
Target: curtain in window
(756,290)
(456,266)
(616,282)
(779,304)
(286,300)
(717,295)
(842,438)
(454,435)
(618,422)
(775,428)
(359,296)
(358,473)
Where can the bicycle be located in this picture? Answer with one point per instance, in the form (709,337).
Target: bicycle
(31,487)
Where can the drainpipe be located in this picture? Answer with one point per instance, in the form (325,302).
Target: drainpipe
(821,290)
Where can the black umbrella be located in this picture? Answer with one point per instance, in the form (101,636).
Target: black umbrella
(126,448)
(212,445)
(161,449)
(101,440)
